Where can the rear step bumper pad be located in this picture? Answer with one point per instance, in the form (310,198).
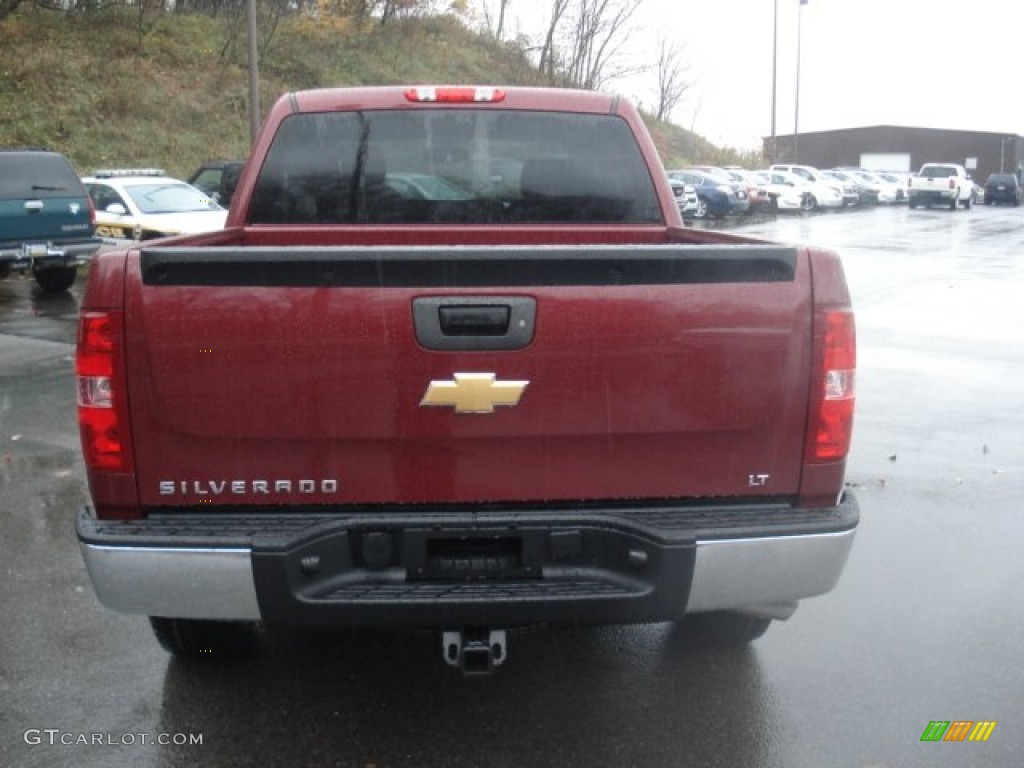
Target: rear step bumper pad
(466,569)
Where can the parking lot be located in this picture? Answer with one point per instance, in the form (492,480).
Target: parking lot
(925,625)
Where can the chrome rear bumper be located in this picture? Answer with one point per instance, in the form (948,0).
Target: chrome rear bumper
(626,570)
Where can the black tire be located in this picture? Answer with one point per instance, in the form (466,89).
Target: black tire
(55,279)
(912,203)
(5,270)
(723,628)
(202,639)
(956,197)
(967,203)
(702,209)
(808,203)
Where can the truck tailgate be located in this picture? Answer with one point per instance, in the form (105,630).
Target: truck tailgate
(44,219)
(262,376)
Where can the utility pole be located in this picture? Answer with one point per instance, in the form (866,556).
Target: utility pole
(796,114)
(254,77)
(775,77)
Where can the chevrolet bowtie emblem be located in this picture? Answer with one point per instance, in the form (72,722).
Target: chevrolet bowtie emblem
(474,393)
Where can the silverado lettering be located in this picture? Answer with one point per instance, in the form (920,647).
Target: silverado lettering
(241,487)
(553,402)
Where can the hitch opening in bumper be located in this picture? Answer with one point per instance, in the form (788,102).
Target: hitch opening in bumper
(475,652)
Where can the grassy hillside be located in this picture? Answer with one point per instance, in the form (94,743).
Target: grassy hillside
(113,88)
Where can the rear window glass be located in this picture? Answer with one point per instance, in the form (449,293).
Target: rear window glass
(454,166)
(37,175)
(938,172)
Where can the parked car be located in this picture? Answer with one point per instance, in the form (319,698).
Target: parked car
(1002,187)
(827,191)
(867,192)
(354,452)
(142,204)
(853,193)
(882,190)
(716,195)
(218,179)
(758,196)
(898,181)
(686,197)
(788,191)
(46,219)
(736,179)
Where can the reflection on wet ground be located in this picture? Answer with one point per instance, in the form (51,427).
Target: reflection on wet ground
(28,312)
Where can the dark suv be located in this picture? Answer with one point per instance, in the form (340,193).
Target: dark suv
(218,179)
(46,218)
(1002,187)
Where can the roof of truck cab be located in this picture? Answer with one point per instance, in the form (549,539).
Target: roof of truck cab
(395,97)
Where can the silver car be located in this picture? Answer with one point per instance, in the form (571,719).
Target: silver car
(686,197)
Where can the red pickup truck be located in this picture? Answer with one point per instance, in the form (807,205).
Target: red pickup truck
(455,363)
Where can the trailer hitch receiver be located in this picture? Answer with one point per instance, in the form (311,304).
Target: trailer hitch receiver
(474,651)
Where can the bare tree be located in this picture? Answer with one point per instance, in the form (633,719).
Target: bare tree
(404,9)
(548,51)
(599,33)
(499,31)
(496,26)
(673,82)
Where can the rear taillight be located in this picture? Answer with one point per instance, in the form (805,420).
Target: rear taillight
(92,211)
(832,417)
(102,413)
(952,182)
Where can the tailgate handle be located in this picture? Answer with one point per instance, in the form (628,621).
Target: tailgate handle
(474,322)
(33,206)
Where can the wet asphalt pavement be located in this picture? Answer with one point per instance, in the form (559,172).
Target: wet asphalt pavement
(927,622)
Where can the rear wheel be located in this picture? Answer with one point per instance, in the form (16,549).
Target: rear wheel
(200,639)
(956,197)
(808,203)
(55,279)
